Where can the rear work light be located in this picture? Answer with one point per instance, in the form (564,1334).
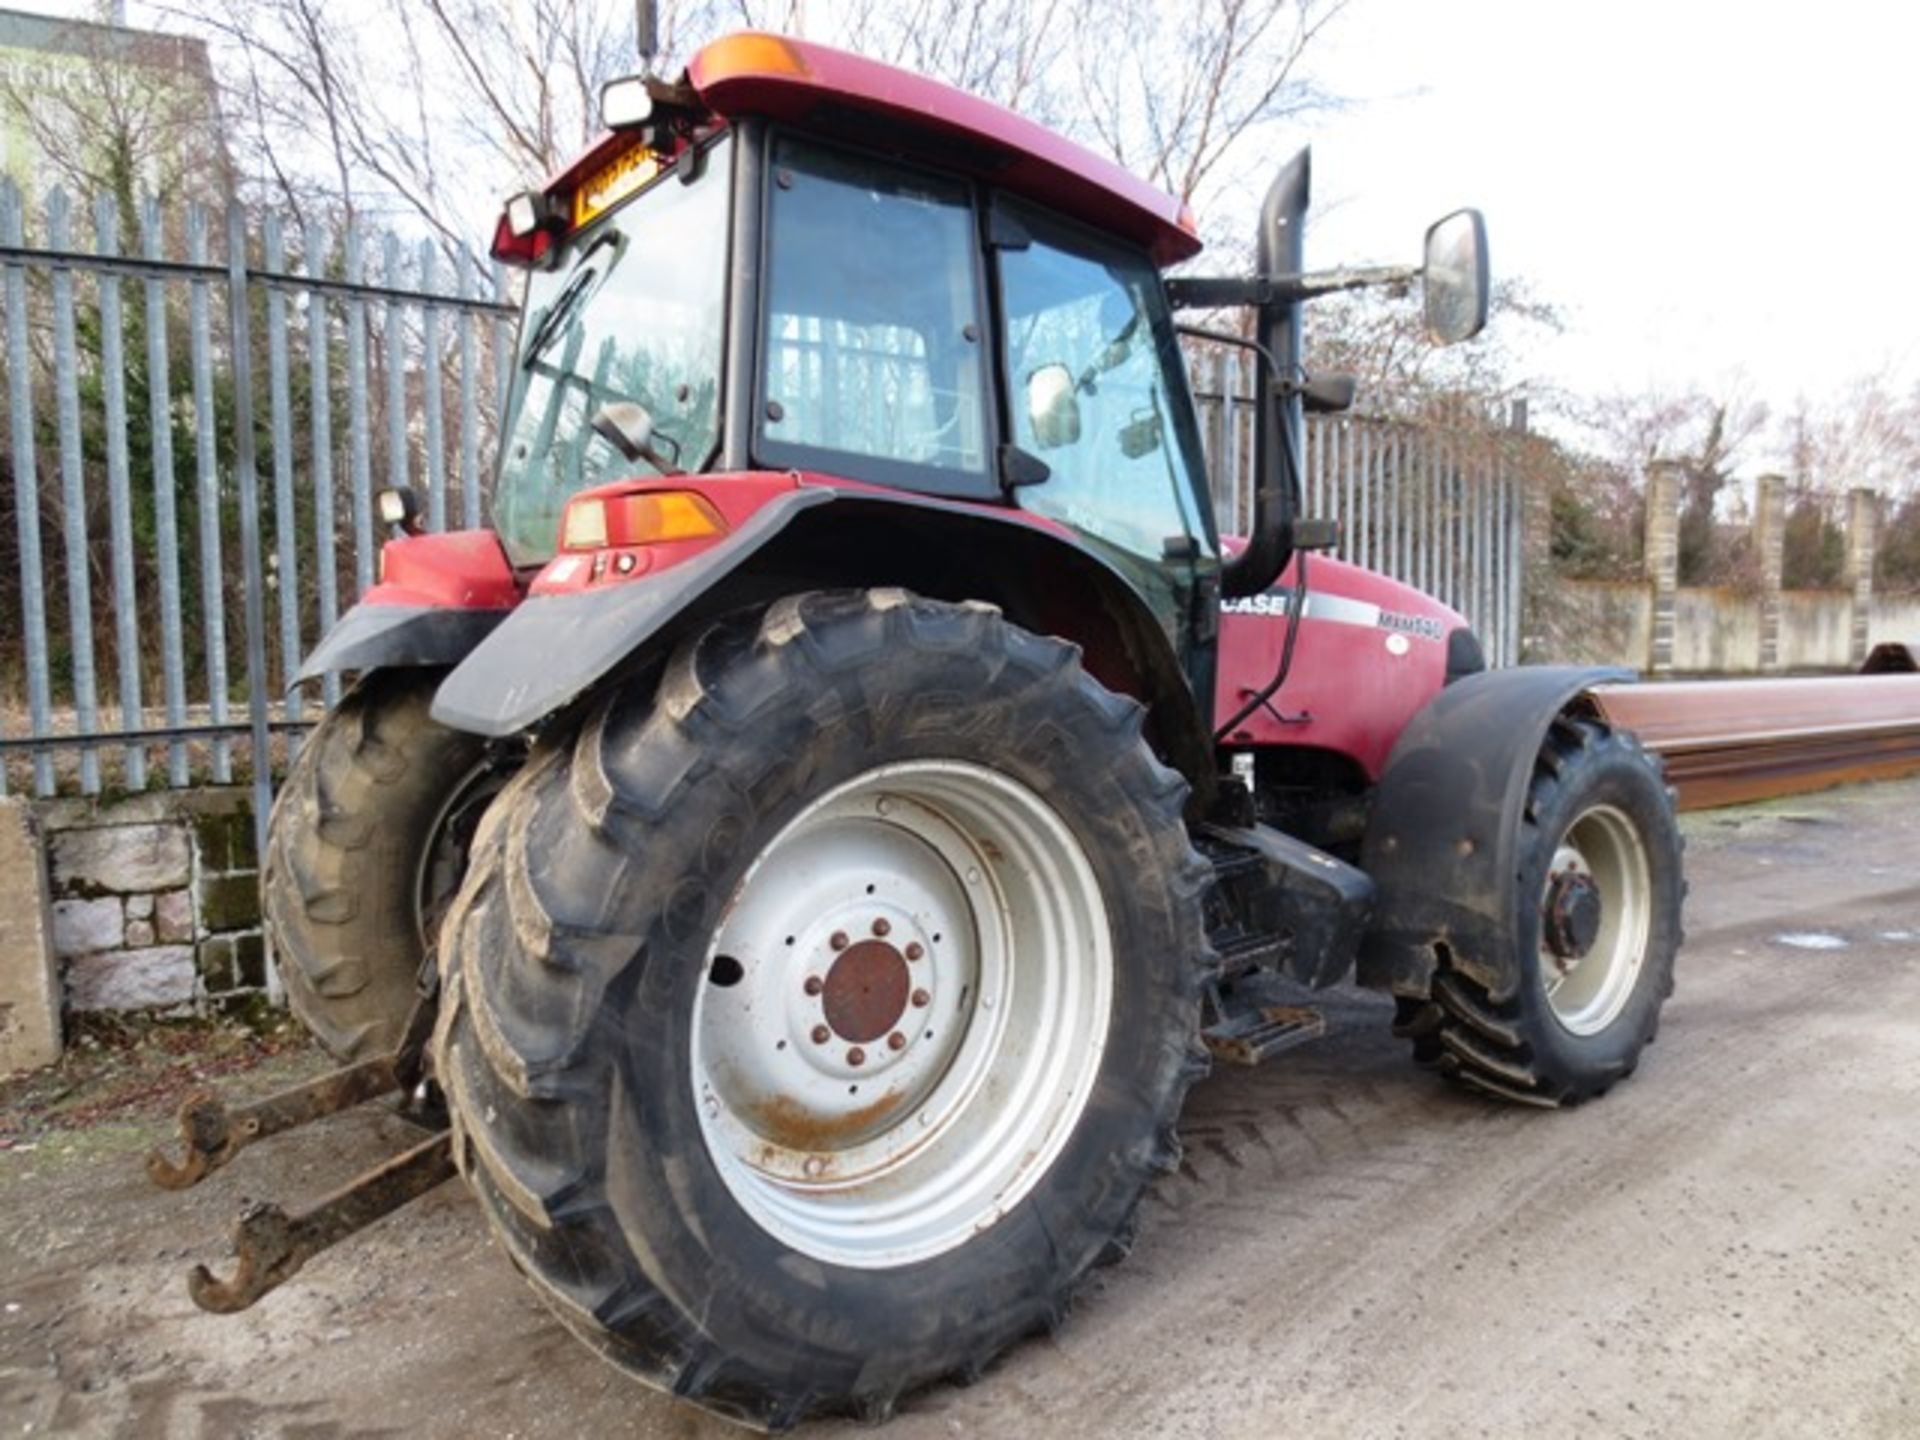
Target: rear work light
(627,103)
(525,233)
(651,517)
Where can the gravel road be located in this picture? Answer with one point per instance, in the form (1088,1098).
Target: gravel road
(1727,1245)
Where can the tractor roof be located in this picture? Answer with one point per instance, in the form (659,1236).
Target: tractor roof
(864,101)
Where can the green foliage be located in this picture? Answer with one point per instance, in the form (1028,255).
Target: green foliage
(1898,556)
(1814,547)
(1596,521)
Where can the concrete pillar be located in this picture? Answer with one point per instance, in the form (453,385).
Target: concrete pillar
(29,984)
(1539,603)
(1770,544)
(1663,558)
(1863,534)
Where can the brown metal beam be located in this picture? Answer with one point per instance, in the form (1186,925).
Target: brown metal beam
(1726,742)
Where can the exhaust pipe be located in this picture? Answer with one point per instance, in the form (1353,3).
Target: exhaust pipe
(1279,419)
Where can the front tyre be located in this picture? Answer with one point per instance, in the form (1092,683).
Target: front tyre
(365,848)
(814,1026)
(1596,925)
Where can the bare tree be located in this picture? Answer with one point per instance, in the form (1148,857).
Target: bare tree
(136,113)
(1868,434)
(432,108)
(1170,91)
(1708,435)
(1379,337)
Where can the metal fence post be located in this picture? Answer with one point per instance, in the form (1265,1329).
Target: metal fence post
(26,494)
(247,480)
(431,399)
(359,423)
(166,533)
(73,495)
(286,552)
(320,409)
(213,608)
(113,377)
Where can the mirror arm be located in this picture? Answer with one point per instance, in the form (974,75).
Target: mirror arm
(1360,277)
(1206,292)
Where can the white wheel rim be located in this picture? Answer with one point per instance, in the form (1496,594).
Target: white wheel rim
(957,895)
(1588,991)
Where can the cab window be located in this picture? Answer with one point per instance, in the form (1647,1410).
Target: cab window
(874,363)
(1095,390)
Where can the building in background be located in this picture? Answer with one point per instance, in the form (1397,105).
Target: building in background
(104,108)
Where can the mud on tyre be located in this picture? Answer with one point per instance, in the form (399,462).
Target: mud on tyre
(365,847)
(719,957)
(1596,925)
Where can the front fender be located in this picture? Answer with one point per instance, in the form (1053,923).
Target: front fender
(378,636)
(438,597)
(1442,839)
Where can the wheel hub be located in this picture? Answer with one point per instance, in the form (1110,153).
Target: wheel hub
(1573,914)
(866,991)
(905,1005)
(1595,919)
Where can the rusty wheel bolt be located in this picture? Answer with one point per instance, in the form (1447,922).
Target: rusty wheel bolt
(838,940)
(914,952)
(881,927)
(821,1034)
(814,985)
(896,1041)
(856,1056)
(920,998)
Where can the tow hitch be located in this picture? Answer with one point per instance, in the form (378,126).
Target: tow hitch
(269,1244)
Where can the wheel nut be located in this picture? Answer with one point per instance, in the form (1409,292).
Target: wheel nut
(838,940)
(896,1041)
(821,1034)
(920,998)
(856,1056)
(914,952)
(880,926)
(814,985)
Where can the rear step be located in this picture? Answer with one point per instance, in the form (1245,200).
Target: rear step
(269,1244)
(1257,1035)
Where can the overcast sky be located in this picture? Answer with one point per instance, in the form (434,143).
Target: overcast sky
(1710,189)
(1707,187)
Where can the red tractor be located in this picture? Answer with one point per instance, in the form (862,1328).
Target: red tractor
(812,843)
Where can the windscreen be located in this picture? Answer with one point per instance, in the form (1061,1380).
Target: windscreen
(634,310)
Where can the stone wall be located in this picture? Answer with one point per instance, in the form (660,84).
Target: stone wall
(155,901)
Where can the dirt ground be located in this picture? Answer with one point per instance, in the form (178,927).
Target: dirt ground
(1727,1245)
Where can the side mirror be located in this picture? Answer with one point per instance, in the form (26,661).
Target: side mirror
(626,426)
(1328,394)
(1455,274)
(1053,407)
(399,510)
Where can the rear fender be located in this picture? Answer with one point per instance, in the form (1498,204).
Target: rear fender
(438,597)
(557,647)
(1442,840)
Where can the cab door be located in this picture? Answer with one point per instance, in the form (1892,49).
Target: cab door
(1096,389)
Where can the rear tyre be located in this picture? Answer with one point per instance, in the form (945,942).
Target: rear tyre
(365,848)
(812,1028)
(1596,926)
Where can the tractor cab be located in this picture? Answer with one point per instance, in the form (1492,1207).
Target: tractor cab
(792,261)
